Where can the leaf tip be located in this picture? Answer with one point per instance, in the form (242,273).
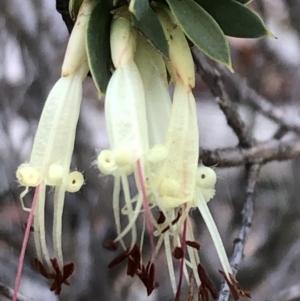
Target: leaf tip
(100,94)
(228,65)
(269,34)
(230,68)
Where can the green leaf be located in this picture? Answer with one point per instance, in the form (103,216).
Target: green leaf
(98,44)
(235,19)
(201,29)
(139,8)
(74,6)
(150,27)
(244,2)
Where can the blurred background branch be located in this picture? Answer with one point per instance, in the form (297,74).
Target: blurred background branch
(8,293)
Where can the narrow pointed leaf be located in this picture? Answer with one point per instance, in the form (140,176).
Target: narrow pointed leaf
(150,27)
(139,8)
(235,19)
(201,29)
(244,2)
(98,46)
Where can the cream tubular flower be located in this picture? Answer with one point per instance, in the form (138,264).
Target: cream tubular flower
(126,124)
(49,165)
(178,181)
(177,176)
(158,102)
(51,155)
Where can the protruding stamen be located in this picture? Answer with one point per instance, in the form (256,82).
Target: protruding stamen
(141,184)
(181,271)
(24,245)
(209,221)
(59,198)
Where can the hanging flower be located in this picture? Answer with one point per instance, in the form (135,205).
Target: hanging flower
(180,185)
(50,158)
(125,114)
(175,184)
(138,88)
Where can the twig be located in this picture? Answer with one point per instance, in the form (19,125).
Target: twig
(281,132)
(289,294)
(213,80)
(239,242)
(288,118)
(291,257)
(294,11)
(264,152)
(8,293)
(62,6)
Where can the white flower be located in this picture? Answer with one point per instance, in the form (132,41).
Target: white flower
(50,160)
(51,155)
(125,114)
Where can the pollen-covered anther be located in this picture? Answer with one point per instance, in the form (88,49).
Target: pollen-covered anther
(75,181)
(55,175)
(27,175)
(106,162)
(157,154)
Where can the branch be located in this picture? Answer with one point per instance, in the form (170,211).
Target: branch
(264,152)
(287,118)
(240,241)
(289,294)
(8,293)
(213,80)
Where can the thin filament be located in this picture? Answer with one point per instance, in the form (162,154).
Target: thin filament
(57,223)
(128,202)
(212,228)
(183,246)
(24,245)
(170,261)
(146,206)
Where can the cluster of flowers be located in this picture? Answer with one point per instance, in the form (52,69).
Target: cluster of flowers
(152,137)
